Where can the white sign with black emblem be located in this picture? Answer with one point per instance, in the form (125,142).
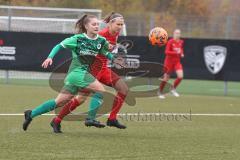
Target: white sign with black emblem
(214,57)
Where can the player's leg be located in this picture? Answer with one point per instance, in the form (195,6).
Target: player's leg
(168,68)
(179,78)
(95,87)
(122,89)
(93,107)
(109,78)
(179,72)
(165,79)
(76,101)
(89,84)
(95,103)
(45,107)
(73,82)
(177,82)
(71,105)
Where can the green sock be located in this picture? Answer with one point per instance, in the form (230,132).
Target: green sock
(44,108)
(95,104)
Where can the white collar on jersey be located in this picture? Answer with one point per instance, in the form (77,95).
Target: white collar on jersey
(89,37)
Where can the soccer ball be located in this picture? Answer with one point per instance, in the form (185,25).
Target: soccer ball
(158,36)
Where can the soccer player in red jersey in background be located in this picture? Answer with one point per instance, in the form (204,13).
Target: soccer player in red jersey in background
(105,75)
(172,63)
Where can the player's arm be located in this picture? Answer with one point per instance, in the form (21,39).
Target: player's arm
(55,50)
(168,49)
(69,43)
(105,51)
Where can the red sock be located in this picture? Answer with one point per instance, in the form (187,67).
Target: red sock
(162,85)
(117,104)
(177,82)
(67,108)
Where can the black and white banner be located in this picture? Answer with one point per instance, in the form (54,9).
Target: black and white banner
(204,58)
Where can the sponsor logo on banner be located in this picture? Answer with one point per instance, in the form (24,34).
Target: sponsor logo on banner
(7,53)
(122,48)
(215,57)
(132,61)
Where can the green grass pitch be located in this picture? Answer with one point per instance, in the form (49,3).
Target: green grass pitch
(199,138)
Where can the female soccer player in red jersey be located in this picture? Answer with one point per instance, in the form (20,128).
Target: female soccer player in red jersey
(105,75)
(172,63)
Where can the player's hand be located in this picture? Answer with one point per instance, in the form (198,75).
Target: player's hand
(179,51)
(119,62)
(47,62)
(182,55)
(110,47)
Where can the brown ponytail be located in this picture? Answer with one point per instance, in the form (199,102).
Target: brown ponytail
(110,17)
(80,24)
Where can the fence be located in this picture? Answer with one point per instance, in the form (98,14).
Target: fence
(40,19)
(61,20)
(192,26)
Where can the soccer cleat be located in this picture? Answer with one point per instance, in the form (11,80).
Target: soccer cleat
(28,119)
(161,96)
(56,127)
(93,122)
(115,123)
(174,93)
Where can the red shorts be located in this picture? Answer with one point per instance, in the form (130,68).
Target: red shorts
(172,66)
(106,76)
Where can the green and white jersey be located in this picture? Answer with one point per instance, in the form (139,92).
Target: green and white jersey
(84,49)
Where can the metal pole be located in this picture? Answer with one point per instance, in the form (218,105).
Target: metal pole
(149,82)
(189,29)
(100,15)
(139,29)
(225,88)
(7,77)
(228,27)
(9,18)
(152,21)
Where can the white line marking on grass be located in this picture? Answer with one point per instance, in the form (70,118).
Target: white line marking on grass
(231,90)
(143,114)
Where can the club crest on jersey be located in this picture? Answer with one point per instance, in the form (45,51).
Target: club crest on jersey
(99,46)
(214,57)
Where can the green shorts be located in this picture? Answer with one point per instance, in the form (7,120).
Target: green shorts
(77,79)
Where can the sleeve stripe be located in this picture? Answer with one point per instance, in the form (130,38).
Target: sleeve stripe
(62,45)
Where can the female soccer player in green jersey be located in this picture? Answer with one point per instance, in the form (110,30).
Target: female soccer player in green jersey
(106,76)
(84,46)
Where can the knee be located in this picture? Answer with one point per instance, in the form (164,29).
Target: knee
(166,77)
(81,98)
(60,103)
(122,88)
(180,76)
(102,91)
(99,89)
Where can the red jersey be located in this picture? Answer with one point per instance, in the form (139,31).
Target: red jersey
(112,39)
(174,49)
(101,60)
